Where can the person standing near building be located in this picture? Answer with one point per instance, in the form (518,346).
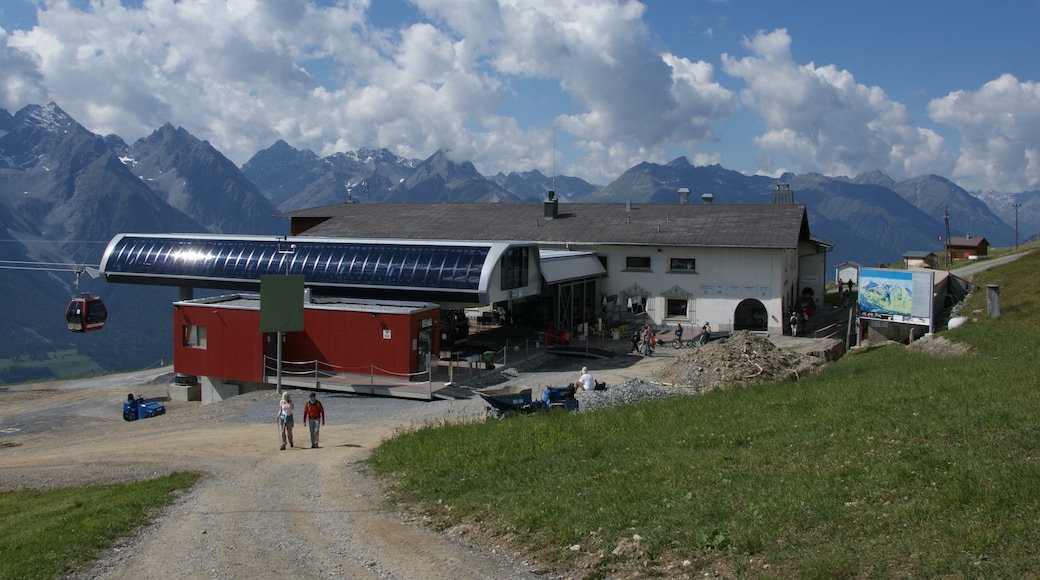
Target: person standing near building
(314,418)
(795,323)
(648,337)
(706,333)
(285,420)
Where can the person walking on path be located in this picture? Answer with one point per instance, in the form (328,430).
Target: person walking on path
(285,420)
(314,418)
(706,333)
(795,323)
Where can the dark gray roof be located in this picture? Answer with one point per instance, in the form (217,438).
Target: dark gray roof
(968,242)
(719,225)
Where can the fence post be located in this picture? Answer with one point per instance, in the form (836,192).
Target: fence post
(993,300)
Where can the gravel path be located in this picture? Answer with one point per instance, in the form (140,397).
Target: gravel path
(261,512)
(258,512)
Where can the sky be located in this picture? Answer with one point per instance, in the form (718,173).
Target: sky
(587,88)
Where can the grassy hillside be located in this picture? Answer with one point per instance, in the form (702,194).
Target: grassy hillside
(887,463)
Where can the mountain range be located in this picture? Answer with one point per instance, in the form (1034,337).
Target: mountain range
(64,192)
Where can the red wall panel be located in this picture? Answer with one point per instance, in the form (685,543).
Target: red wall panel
(343,341)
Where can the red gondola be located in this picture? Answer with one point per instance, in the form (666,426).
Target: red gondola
(86,313)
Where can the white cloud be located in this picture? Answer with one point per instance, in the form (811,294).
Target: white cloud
(999,127)
(632,100)
(823,121)
(243,73)
(21,82)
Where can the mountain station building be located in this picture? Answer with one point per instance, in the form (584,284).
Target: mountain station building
(737,266)
(382,278)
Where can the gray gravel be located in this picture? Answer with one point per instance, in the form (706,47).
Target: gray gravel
(627,392)
(624,375)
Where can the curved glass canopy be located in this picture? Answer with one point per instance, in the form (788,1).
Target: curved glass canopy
(447,268)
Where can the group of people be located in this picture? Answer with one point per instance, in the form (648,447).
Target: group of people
(313,417)
(649,338)
(846,293)
(705,332)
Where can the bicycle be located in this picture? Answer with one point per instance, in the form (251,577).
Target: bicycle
(699,340)
(679,343)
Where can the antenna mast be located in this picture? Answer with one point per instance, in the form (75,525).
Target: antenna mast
(554,160)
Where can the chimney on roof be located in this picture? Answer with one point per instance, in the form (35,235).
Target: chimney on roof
(707,197)
(783,193)
(684,195)
(552,205)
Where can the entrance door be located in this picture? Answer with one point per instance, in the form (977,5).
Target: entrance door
(750,314)
(424,344)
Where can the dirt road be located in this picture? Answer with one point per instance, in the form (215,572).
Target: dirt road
(258,512)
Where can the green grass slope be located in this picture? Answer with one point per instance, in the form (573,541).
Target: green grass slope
(887,463)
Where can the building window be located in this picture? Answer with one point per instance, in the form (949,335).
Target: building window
(637,263)
(515,268)
(682,265)
(194,336)
(676,307)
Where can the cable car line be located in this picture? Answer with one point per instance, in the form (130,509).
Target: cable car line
(36,268)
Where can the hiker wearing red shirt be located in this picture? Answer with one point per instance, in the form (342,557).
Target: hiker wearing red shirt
(314,418)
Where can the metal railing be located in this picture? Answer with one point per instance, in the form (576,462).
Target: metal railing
(319,369)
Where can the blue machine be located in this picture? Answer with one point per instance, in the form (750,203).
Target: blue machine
(560,397)
(134,409)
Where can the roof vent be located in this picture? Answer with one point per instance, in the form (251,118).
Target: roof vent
(552,206)
(684,195)
(707,197)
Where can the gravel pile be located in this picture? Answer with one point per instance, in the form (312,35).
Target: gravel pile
(626,393)
(742,359)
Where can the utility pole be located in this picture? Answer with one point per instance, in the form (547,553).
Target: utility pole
(1016,205)
(946,242)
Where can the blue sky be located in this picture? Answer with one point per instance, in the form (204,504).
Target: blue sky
(838,88)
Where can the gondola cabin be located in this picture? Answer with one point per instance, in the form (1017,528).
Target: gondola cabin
(86,314)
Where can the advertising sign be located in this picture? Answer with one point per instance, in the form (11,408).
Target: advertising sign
(281,303)
(896,295)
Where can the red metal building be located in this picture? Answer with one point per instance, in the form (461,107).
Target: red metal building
(219,340)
